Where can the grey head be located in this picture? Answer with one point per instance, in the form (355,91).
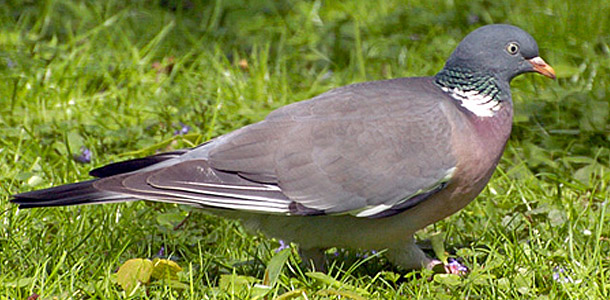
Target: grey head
(488,58)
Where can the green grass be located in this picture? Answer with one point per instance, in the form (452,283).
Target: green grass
(120,77)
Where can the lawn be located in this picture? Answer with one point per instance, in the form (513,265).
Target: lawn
(85,83)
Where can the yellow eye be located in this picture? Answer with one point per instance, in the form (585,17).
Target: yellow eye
(512,48)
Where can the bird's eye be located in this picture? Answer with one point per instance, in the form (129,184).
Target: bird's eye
(512,48)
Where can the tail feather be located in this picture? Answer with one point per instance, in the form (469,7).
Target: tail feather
(69,194)
(85,192)
(134,164)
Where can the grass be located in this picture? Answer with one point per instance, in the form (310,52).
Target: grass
(119,78)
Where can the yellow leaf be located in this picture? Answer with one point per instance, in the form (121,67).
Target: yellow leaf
(165,269)
(133,272)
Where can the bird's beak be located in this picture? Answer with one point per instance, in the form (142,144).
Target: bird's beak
(542,67)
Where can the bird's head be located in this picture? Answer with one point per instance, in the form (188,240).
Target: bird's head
(504,51)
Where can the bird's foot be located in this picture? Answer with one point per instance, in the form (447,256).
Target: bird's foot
(453,266)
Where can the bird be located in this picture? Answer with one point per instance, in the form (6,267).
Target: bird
(363,166)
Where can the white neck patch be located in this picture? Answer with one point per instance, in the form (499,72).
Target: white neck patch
(479,104)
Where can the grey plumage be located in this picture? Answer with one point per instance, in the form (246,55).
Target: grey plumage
(313,157)
(361,166)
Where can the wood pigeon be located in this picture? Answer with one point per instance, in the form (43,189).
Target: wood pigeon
(362,166)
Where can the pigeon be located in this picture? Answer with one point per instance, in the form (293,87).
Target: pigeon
(362,166)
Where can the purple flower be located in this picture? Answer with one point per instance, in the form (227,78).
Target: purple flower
(184,129)
(559,275)
(472,19)
(9,63)
(84,156)
(161,252)
(454,266)
(366,254)
(283,245)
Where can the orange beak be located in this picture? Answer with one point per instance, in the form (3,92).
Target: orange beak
(542,67)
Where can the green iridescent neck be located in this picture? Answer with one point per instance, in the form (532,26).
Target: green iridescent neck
(466,80)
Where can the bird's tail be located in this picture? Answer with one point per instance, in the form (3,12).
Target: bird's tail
(85,192)
(69,194)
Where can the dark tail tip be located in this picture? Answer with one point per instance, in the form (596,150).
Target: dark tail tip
(69,194)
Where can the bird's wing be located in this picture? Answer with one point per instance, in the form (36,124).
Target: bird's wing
(370,150)
(194,182)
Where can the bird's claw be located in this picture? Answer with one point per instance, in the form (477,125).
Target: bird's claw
(453,266)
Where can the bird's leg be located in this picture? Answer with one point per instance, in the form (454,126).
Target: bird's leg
(409,256)
(314,258)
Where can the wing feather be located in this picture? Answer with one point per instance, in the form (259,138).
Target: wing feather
(365,149)
(194,182)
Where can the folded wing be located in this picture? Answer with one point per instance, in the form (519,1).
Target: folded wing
(369,150)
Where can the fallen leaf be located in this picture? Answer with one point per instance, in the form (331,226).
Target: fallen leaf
(133,272)
(165,269)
